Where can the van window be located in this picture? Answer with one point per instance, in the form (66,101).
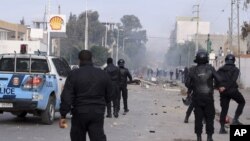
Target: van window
(62,66)
(23,65)
(7,64)
(39,65)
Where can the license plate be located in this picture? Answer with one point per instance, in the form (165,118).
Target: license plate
(6,105)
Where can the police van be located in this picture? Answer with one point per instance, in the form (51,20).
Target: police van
(31,83)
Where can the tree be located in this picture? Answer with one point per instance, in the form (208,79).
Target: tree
(75,31)
(136,37)
(100,55)
(131,22)
(181,54)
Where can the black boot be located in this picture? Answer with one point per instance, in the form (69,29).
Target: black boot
(109,115)
(236,122)
(116,115)
(222,129)
(199,138)
(186,119)
(126,110)
(209,138)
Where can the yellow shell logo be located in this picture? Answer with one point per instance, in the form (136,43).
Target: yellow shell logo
(56,23)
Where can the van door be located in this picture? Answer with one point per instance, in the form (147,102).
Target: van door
(63,70)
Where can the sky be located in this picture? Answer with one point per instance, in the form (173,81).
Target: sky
(156,16)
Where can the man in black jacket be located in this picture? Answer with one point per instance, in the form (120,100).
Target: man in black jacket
(124,74)
(230,74)
(200,80)
(85,94)
(113,72)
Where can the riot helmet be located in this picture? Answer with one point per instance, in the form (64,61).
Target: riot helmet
(121,63)
(230,59)
(201,57)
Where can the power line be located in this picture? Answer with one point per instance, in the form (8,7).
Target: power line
(158,37)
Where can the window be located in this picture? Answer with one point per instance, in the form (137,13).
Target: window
(7,64)
(39,65)
(23,65)
(62,66)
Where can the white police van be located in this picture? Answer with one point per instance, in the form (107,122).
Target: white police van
(31,83)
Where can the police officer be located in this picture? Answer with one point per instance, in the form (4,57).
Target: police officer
(113,72)
(230,74)
(85,94)
(124,74)
(200,79)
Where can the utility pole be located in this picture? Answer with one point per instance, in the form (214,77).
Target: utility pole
(48,31)
(106,35)
(197,26)
(234,23)
(86,27)
(117,47)
(238,30)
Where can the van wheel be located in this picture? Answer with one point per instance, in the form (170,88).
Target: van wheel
(48,115)
(20,114)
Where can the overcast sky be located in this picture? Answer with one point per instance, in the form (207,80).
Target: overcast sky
(156,16)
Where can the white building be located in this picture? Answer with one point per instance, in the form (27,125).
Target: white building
(186,28)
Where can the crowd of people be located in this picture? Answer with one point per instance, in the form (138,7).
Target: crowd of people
(200,84)
(88,91)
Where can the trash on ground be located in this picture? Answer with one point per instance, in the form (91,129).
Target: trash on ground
(152,131)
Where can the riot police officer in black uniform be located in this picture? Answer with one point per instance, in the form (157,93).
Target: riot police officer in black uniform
(113,72)
(230,73)
(200,80)
(124,74)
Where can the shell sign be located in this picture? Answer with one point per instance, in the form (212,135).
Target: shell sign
(57,23)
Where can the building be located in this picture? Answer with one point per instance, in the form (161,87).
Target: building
(12,36)
(11,31)
(186,28)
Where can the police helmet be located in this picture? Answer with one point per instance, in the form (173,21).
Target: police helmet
(230,59)
(201,57)
(121,63)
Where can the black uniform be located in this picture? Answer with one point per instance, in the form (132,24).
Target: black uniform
(86,92)
(230,73)
(200,79)
(113,72)
(124,74)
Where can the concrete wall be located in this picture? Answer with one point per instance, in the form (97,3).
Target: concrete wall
(244,69)
(15,31)
(185,29)
(11,46)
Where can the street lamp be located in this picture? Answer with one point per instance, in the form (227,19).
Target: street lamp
(86,27)
(123,42)
(117,47)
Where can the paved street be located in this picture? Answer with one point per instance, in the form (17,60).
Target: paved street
(156,114)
